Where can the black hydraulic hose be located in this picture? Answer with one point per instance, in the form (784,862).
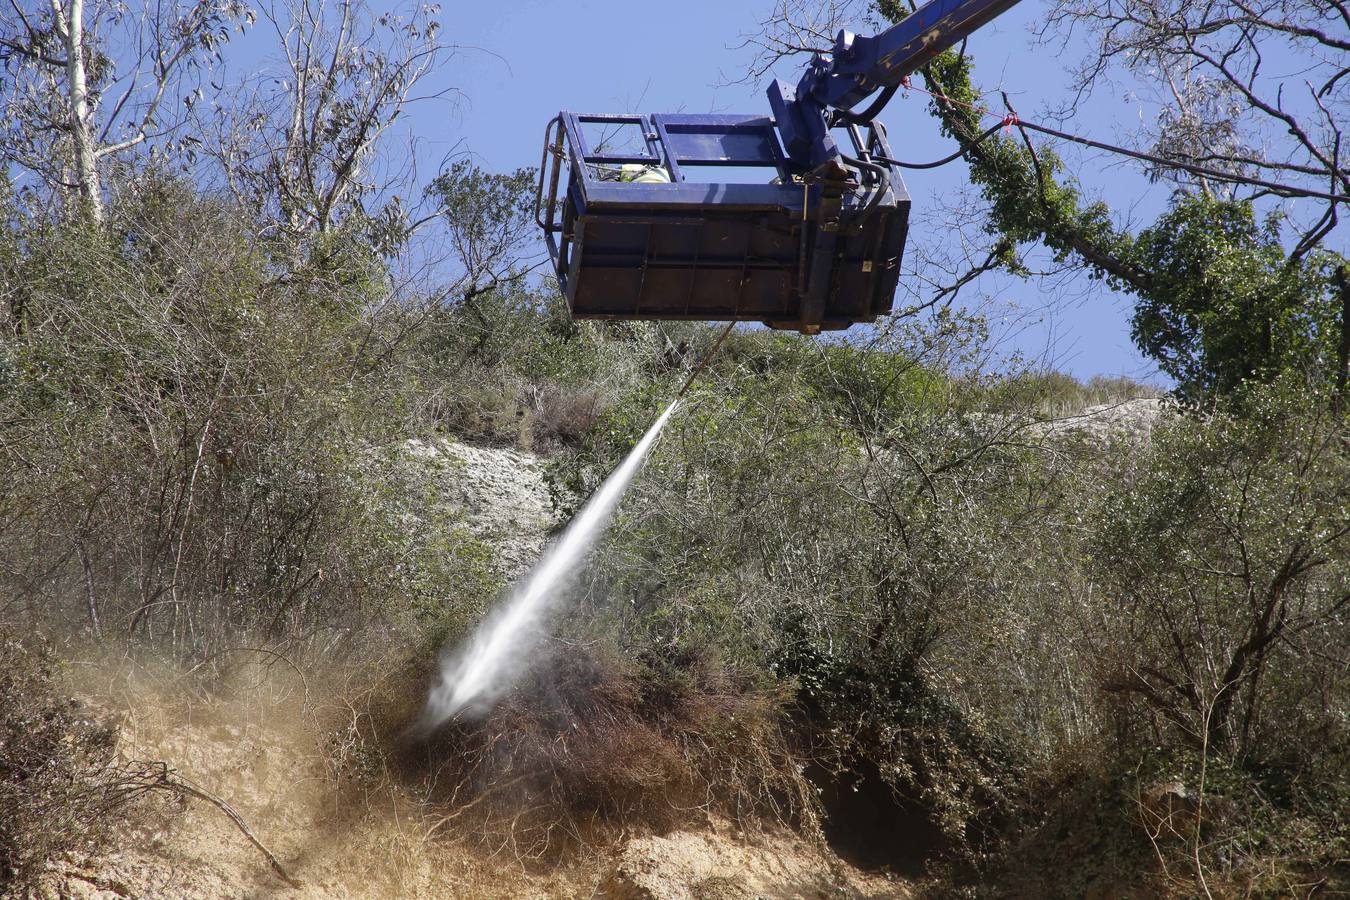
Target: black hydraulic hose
(867,115)
(988,133)
(883,184)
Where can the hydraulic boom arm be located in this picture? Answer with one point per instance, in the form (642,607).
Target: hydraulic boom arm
(857,66)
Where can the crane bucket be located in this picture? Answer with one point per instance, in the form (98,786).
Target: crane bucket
(704,217)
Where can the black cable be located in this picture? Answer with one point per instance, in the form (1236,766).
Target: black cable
(1283,189)
(870,113)
(946,159)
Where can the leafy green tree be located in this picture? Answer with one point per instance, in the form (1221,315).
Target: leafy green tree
(1226,302)
(87,83)
(1227,286)
(1219,298)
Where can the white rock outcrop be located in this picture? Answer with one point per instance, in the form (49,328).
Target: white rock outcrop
(1129,419)
(502,495)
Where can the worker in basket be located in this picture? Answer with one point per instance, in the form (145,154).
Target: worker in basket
(635,173)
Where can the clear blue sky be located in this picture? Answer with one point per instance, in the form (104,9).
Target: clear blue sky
(606,56)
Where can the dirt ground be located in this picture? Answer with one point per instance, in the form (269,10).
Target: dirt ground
(260,752)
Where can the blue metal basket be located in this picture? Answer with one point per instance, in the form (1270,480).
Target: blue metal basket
(627,245)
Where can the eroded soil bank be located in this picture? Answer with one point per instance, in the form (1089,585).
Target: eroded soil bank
(266,743)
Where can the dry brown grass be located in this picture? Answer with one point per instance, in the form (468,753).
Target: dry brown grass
(592,746)
(63,788)
(561,417)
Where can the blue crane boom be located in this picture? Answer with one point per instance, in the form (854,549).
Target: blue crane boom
(811,240)
(858,65)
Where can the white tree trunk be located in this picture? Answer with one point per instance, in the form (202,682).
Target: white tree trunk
(81,130)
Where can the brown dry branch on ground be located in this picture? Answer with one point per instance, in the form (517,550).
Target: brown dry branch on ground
(65,781)
(158,776)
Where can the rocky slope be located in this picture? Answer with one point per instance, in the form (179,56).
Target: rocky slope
(501,493)
(504,496)
(259,746)
(1130,419)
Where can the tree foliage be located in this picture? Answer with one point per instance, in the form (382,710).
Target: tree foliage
(1221,294)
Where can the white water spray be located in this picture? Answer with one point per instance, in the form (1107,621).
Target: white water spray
(475,676)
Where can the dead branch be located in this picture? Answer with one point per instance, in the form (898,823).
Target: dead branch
(170,781)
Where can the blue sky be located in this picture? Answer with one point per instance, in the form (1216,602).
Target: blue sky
(520,61)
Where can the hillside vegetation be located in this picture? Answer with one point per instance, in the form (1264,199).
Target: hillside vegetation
(978,629)
(854,590)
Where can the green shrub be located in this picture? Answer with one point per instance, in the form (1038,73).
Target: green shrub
(1226,552)
(876,727)
(192,450)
